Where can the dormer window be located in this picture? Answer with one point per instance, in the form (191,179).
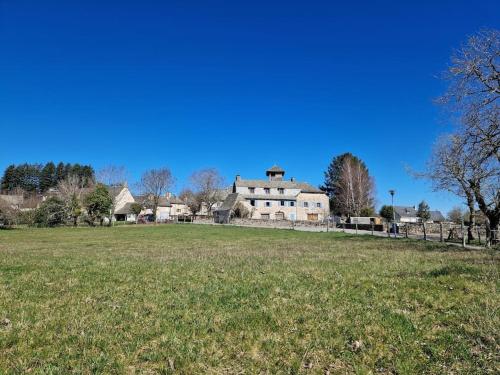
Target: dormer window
(251,190)
(281,191)
(267,190)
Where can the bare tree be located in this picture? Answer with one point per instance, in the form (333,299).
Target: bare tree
(474,90)
(467,163)
(207,183)
(192,200)
(112,175)
(155,183)
(354,188)
(70,186)
(450,169)
(462,169)
(71,190)
(456,215)
(8,214)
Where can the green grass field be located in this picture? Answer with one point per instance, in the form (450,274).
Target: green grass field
(200,299)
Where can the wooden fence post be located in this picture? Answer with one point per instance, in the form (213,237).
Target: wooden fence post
(441,239)
(425,231)
(406,230)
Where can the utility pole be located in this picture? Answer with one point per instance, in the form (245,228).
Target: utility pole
(392,192)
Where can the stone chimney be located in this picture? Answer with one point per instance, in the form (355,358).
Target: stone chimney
(292,179)
(238,177)
(168,195)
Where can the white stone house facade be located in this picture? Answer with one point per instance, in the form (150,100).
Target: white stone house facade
(123,199)
(280,199)
(169,207)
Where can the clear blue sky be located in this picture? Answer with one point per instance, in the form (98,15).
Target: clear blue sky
(233,85)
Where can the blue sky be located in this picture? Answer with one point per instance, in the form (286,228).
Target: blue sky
(235,85)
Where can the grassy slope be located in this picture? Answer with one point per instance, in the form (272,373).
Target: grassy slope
(202,299)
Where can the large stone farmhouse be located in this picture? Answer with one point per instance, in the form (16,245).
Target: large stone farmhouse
(275,199)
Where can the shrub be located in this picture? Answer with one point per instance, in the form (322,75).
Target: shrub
(98,204)
(7,216)
(386,212)
(51,213)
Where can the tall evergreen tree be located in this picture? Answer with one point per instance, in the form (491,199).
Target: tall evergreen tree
(10,179)
(48,178)
(29,177)
(60,172)
(88,175)
(68,170)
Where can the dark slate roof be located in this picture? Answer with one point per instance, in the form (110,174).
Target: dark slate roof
(140,198)
(270,197)
(224,192)
(437,216)
(126,209)
(115,190)
(230,202)
(164,202)
(304,187)
(175,200)
(406,211)
(275,169)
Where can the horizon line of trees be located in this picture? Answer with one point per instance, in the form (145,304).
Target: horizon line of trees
(39,178)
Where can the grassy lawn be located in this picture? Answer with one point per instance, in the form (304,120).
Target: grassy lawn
(200,299)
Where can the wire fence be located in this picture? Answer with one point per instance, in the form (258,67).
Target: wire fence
(476,235)
(447,232)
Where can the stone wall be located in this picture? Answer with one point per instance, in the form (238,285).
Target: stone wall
(267,223)
(435,228)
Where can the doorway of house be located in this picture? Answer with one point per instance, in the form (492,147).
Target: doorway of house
(279,215)
(312,217)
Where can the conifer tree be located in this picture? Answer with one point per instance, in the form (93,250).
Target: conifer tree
(48,177)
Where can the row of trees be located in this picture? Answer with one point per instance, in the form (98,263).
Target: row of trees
(466,162)
(38,178)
